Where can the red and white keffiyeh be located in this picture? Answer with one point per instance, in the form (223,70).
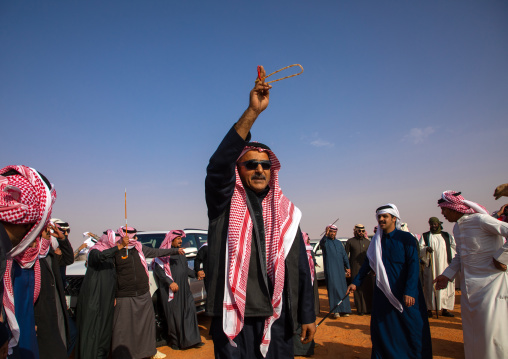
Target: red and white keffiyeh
(375,255)
(164,261)
(24,199)
(106,241)
(134,243)
(455,201)
(45,246)
(281,219)
(308,248)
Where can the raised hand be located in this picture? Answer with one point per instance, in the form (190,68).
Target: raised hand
(57,233)
(260,94)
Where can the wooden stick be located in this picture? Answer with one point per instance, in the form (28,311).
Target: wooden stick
(273,73)
(127,248)
(331,225)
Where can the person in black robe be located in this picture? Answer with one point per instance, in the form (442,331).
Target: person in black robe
(177,299)
(96,299)
(50,309)
(356,248)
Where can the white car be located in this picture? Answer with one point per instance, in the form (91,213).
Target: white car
(194,239)
(318,253)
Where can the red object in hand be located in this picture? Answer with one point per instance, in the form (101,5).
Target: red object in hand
(259,73)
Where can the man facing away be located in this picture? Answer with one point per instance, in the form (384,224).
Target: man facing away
(437,248)
(172,277)
(336,266)
(482,258)
(399,326)
(26,201)
(356,248)
(258,278)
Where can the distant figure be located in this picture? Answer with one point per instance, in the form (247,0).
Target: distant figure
(482,258)
(172,277)
(437,248)
(502,214)
(356,248)
(399,326)
(336,266)
(82,252)
(200,262)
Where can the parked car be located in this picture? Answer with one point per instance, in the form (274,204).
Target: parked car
(194,239)
(318,252)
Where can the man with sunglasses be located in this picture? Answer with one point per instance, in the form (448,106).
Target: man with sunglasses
(356,248)
(258,277)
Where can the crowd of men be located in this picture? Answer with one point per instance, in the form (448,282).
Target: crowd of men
(258,267)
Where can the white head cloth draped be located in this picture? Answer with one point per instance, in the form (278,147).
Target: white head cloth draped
(281,219)
(164,261)
(375,255)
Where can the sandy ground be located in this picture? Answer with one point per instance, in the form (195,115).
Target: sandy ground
(349,337)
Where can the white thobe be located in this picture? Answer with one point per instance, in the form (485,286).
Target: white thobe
(435,263)
(484,300)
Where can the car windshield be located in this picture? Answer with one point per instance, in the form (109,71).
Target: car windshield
(195,240)
(153,240)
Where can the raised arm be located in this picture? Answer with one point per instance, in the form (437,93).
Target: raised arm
(220,173)
(149,252)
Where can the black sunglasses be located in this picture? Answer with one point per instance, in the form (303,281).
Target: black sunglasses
(253,164)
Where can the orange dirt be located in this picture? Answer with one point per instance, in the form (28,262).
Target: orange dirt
(349,337)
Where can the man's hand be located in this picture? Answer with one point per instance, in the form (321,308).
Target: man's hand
(441,282)
(57,233)
(201,275)
(124,242)
(351,288)
(308,331)
(58,252)
(260,94)
(409,301)
(429,250)
(499,265)
(174,287)
(348,272)
(181,251)
(258,102)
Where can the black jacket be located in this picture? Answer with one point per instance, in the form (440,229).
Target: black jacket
(131,278)
(219,188)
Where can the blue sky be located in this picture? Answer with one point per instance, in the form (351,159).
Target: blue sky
(399,101)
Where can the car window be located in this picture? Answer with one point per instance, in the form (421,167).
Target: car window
(189,241)
(201,239)
(151,240)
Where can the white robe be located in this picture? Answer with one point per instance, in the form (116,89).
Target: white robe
(439,261)
(484,300)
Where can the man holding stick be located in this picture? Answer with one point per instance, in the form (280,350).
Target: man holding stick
(258,277)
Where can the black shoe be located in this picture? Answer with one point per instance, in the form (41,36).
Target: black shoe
(174,347)
(446,313)
(198,345)
(429,313)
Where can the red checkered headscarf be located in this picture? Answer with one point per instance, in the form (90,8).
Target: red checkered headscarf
(455,201)
(107,241)
(134,243)
(308,248)
(164,261)
(281,219)
(24,199)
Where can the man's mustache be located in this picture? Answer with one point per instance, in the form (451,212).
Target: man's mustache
(258,176)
